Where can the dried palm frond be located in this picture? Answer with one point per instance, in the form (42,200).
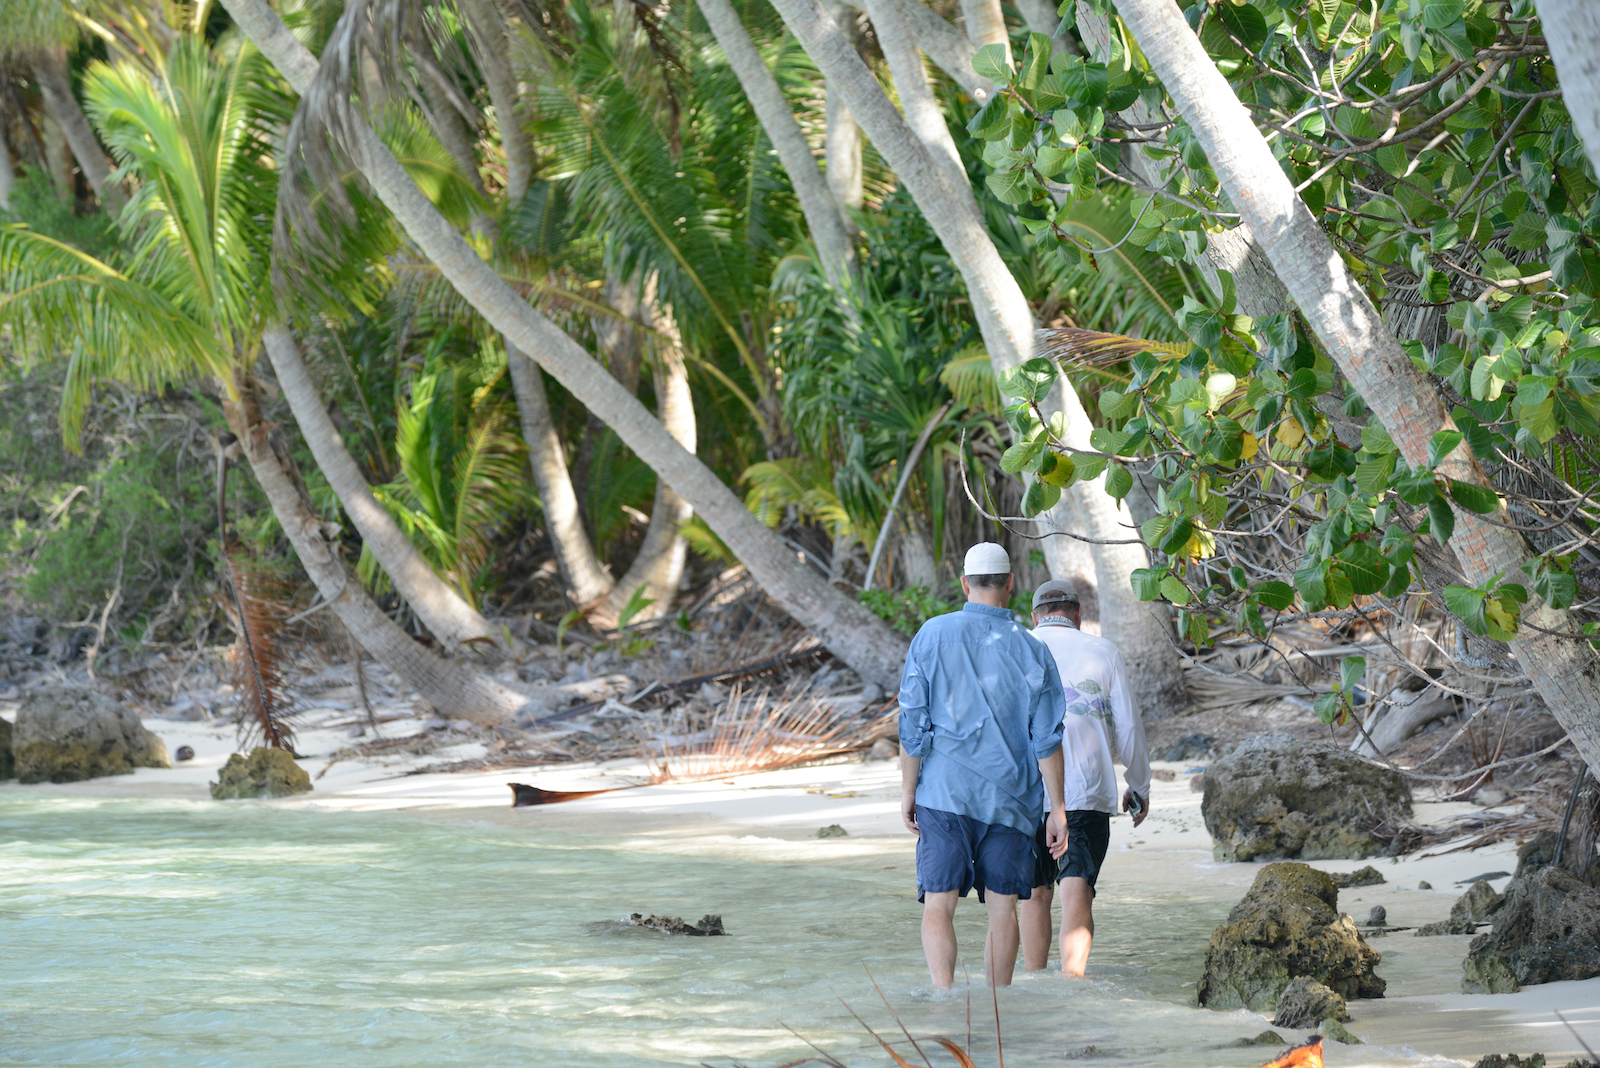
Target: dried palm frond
(1077,347)
(260,610)
(741,739)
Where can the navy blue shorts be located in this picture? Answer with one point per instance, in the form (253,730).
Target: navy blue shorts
(956,852)
(1088,837)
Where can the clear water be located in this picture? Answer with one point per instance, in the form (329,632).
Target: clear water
(165,933)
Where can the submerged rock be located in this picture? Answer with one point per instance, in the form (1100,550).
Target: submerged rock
(1367,876)
(70,733)
(1287,926)
(832,830)
(1333,1029)
(1305,1003)
(1547,929)
(264,773)
(1511,1060)
(708,925)
(8,763)
(1265,1038)
(1278,796)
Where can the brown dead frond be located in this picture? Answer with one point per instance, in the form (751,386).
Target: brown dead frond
(759,732)
(259,611)
(1094,348)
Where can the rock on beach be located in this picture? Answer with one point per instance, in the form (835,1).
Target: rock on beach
(1278,796)
(1286,927)
(1546,929)
(264,773)
(71,733)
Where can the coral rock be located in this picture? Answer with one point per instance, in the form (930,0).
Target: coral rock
(1278,796)
(264,773)
(1306,1003)
(69,733)
(1547,929)
(1367,876)
(1287,926)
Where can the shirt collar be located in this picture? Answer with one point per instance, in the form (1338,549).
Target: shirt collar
(1055,621)
(986,610)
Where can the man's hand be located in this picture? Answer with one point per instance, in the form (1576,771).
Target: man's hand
(1055,832)
(1143,810)
(908,811)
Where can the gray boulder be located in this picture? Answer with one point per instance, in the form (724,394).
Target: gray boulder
(1548,929)
(1367,876)
(69,733)
(1306,1003)
(1478,904)
(1278,796)
(1286,927)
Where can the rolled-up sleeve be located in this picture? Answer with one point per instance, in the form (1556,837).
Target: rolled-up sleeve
(916,724)
(1046,718)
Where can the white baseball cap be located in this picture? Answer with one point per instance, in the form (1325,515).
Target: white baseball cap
(987,558)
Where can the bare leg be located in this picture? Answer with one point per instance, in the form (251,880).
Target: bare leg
(939,937)
(1000,948)
(1038,930)
(1077,926)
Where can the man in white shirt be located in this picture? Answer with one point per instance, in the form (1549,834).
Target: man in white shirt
(1101,726)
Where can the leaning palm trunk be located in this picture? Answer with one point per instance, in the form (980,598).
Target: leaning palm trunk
(1572,27)
(55,86)
(1007,325)
(922,114)
(1561,663)
(842,139)
(847,628)
(658,566)
(440,608)
(455,688)
(823,217)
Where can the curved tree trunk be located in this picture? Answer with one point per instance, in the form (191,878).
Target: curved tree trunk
(8,173)
(1572,27)
(1006,322)
(854,634)
(1564,667)
(922,113)
(842,139)
(494,59)
(55,85)
(946,46)
(658,567)
(823,217)
(986,24)
(440,608)
(455,688)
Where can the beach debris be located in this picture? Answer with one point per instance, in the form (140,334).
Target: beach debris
(185,752)
(70,733)
(358,731)
(1265,1038)
(1511,1060)
(1190,747)
(1306,1003)
(1546,929)
(833,830)
(709,925)
(1279,796)
(1306,1056)
(1378,916)
(1366,876)
(524,796)
(1407,714)
(1163,774)
(1287,926)
(264,773)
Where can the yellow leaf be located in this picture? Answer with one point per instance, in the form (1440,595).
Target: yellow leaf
(1248,446)
(1290,432)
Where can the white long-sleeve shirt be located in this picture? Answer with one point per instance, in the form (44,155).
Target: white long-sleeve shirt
(1101,725)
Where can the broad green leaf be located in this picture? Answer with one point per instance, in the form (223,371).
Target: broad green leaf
(1118,481)
(1023,456)
(1373,475)
(1328,707)
(1173,589)
(1479,499)
(1276,595)
(1030,382)
(990,64)
(1441,445)
(1540,419)
(1527,232)
(1010,186)
(1441,520)
(1041,497)
(1052,159)
(1351,671)
(1146,582)
(1464,601)
(1244,23)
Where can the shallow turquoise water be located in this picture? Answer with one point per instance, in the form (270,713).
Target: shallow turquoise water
(166,933)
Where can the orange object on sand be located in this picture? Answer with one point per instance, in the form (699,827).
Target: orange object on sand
(1306,1056)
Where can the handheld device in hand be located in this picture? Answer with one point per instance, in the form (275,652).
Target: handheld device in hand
(1135,804)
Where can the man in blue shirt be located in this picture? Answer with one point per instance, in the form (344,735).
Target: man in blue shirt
(981,709)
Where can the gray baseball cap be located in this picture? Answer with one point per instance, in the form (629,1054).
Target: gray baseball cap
(1056,591)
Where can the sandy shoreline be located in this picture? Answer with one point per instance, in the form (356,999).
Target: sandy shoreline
(779,813)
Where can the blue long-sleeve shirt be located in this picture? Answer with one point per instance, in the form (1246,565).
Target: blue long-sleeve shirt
(981,703)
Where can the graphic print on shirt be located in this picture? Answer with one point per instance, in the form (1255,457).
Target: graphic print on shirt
(1086,698)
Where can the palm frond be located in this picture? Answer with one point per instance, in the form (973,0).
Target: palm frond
(970,378)
(1073,346)
(261,607)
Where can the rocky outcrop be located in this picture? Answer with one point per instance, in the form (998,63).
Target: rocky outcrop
(709,925)
(1305,1003)
(1278,796)
(1367,876)
(70,733)
(264,773)
(1547,929)
(1286,927)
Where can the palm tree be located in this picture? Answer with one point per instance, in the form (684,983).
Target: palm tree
(194,300)
(859,638)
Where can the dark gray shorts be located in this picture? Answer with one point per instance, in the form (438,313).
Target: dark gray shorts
(956,852)
(1088,838)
